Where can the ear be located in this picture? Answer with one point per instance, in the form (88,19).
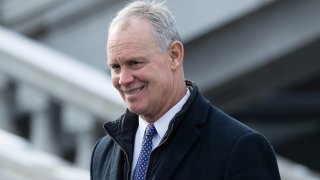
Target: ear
(176,54)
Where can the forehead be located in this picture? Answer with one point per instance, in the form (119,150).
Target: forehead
(131,29)
(129,38)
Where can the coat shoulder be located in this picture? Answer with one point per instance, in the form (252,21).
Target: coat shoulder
(249,155)
(226,126)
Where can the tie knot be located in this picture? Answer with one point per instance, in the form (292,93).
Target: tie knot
(150,130)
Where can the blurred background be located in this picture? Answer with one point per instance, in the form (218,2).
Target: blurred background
(258,60)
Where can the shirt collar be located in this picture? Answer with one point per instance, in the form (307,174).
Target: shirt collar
(162,123)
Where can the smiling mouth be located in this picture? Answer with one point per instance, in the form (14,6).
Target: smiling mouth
(132,91)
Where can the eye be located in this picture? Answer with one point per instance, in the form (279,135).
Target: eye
(135,64)
(115,68)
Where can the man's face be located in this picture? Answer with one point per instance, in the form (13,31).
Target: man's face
(139,70)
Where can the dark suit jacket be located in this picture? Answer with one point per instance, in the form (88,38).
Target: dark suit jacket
(202,142)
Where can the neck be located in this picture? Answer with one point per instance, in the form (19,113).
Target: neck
(177,94)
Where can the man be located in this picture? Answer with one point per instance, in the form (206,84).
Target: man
(169,131)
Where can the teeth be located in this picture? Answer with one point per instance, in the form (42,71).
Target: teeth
(132,91)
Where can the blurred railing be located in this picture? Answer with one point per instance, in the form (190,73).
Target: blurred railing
(21,161)
(51,99)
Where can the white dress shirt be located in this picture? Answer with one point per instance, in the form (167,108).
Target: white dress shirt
(161,126)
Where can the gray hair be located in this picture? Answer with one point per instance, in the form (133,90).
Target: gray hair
(162,21)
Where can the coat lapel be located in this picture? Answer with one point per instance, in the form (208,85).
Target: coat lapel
(183,137)
(172,155)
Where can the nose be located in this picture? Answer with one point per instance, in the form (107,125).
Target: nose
(125,77)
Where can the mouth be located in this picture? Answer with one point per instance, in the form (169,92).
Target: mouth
(132,91)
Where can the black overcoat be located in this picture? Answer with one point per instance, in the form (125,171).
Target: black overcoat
(202,143)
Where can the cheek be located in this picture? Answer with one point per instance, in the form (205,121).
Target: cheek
(115,81)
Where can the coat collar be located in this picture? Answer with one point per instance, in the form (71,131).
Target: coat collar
(193,106)
(122,131)
(184,131)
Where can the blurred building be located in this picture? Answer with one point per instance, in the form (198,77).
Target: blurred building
(258,60)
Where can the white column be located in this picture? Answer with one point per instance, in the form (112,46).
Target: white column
(45,119)
(82,125)
(7,104)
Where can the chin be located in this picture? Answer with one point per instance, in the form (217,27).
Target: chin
(135,110)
